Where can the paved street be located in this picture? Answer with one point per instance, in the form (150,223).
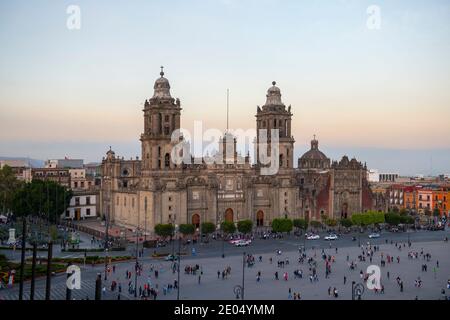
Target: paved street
(209,258)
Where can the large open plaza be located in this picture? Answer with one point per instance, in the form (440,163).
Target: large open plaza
(209,283)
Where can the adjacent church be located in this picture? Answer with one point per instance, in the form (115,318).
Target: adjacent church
(153,189)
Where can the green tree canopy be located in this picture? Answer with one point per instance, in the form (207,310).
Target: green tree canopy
(208,227)
(345,222)
(187,229)
(331,222)
(282,225)
(300,223)
(164,230)
(406,219)
(245,226)
(368,218)
(436,212)
(9,185)
(228,227)
(392,218)
(46,199)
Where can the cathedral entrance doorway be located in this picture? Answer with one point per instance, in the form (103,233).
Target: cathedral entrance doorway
(260,218)
(229,215)
(344,210)
(196,220)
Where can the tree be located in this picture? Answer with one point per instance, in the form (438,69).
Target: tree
(300,223)
(345,222)
(282,225)
(208,227)
(392,218)
(436,212)
(9,185)
(164,230)
(368,218)
(46,199)
(187,229)
(406,219)
(228,227)
(245,226)
(330,222)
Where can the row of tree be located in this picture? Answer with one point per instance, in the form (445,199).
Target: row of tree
(45,199)
(286,225)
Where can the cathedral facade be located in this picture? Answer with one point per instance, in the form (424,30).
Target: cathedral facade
(154,189)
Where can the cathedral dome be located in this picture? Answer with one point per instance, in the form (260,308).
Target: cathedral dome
(162,87)
(314,153)
(314,158)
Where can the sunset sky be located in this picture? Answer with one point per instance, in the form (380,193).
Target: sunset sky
(381,95)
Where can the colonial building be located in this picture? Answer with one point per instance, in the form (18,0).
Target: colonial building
(156,189)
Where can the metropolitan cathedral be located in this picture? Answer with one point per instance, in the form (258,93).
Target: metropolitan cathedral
(153,189)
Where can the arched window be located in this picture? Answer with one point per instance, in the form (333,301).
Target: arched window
(281,160)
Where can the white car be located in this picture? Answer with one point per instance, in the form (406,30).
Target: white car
(242,243)
(312,237)
(234,241)
(374,235)
(331,237)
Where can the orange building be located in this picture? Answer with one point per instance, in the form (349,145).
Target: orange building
(441,200)
(411,198)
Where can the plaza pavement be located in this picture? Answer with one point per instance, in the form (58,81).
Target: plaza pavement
(213,288)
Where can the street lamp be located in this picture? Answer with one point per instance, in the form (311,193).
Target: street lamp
(243,275)
(178,266)
(137,262)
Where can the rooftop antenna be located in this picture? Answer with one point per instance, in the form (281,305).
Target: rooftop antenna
(228,107)
(431,166)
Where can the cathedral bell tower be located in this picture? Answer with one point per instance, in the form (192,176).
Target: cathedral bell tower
(274,115)
(162,115)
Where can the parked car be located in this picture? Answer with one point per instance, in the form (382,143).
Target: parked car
(331,237)
(312,236)
(234,241)
(171,257)
(242,243)
(374,235)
